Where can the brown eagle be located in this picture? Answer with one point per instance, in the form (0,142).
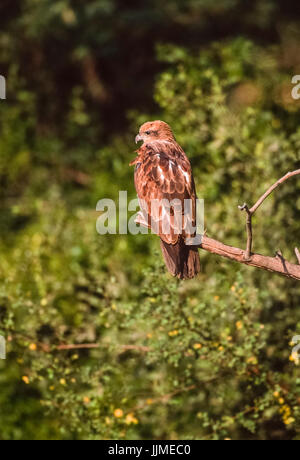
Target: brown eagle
(164,183)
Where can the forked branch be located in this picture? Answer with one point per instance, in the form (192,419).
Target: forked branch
(272,264)
(275,264)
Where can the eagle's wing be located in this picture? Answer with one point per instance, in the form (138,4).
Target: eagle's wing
(164,180)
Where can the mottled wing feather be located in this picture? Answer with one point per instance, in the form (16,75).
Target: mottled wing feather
(163,172)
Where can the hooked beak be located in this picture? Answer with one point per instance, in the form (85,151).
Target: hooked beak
(138,139)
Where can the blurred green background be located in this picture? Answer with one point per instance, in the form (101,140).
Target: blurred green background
(205,359)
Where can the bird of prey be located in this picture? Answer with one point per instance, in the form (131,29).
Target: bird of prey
(164,183)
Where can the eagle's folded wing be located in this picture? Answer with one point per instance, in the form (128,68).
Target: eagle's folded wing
(164,180)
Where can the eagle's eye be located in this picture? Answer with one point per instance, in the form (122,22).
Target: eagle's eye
(148,132)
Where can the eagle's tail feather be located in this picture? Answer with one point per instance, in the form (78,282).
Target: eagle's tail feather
(181,260)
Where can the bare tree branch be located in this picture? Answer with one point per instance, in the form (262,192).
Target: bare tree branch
(251,212)
(272,188)
(48,348)
(272,264)
(249,230)
(276,264)
(89,346)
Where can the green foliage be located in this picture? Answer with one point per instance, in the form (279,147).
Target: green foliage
(206,359)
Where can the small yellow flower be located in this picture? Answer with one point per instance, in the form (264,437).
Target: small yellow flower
(44,302)
(52,388)
(276,394)
(252,360)
(289,420)
(221,348)
(281,401)
(107,421)
(118,413)
(149,336)
(149,401)
(173,333)
(294,357)
(229,338)
(25,379)
(239,325)
(32,347)
(86,400)
(216,298)
(130,419)
(62,382)
(197,346)
(233,288)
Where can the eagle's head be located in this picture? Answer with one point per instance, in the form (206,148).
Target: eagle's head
(155,131)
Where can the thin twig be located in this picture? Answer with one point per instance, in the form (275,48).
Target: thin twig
(297,255)
(47,348)
(251,212)
(272,188)
(82,346)
(249,230)
(89,346)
